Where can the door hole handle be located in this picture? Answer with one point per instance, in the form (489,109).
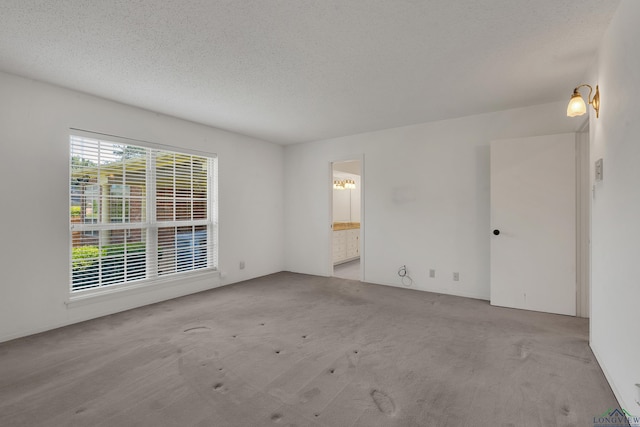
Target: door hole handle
(496,232)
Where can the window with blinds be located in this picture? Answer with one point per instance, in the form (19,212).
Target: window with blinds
(138,212)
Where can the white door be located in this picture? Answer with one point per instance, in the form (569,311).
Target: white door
(533,221)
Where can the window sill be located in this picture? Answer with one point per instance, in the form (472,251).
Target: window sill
(90,296)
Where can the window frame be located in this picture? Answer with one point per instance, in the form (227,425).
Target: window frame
(149,225)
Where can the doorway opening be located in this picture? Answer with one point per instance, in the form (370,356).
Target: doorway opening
(346,219)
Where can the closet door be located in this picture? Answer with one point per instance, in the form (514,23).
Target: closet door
(533,223)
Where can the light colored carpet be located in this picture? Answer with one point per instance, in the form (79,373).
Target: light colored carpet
(297,350)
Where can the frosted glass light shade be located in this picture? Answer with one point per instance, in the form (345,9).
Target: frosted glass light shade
(576,106)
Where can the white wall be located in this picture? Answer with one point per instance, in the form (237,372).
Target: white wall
(615,137)
(426,197)
(34,156)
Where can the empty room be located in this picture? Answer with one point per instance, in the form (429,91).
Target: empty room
(319,213)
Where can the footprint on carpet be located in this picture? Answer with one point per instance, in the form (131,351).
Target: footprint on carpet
(383,402)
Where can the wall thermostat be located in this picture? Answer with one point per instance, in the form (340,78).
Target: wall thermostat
(598,170)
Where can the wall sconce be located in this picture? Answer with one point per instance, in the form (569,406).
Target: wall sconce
(338,185)
(577,107)
(349,184)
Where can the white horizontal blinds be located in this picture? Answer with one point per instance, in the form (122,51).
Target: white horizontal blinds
(108,217)
(213,210)
(183,214)
(108,183)
(138,212)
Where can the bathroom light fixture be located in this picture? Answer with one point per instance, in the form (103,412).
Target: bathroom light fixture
(577,107)
(344,184)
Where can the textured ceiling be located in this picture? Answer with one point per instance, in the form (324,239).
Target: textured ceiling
(291,71)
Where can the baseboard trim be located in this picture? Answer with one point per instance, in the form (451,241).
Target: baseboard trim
(111,310)
(432,290)
(614,389)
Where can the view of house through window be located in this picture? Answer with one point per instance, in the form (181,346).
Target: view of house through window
(138,212)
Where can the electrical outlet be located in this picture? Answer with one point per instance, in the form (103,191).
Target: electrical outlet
(456,277)
(432,273)
(241,265)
